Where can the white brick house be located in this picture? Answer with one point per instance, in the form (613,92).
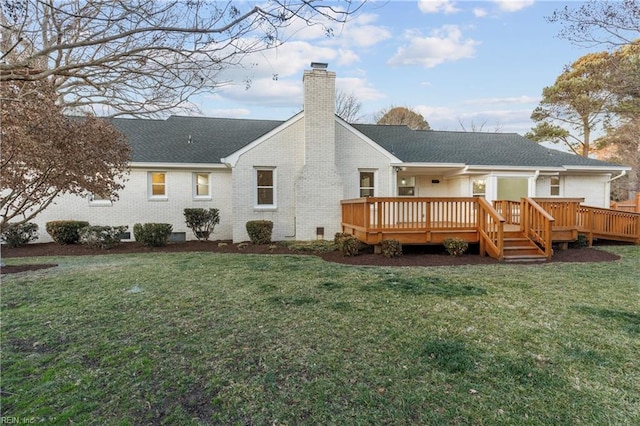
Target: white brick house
(296,172)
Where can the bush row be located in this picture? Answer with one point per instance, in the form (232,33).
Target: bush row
(201,221)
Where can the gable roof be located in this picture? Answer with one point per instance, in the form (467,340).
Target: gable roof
(471,148)
(190,139)
(202,140)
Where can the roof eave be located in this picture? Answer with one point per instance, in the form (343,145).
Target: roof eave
(168,165)
(600,169)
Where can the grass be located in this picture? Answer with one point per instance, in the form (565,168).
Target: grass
(203,338)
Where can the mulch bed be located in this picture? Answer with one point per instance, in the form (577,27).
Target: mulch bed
(413,255)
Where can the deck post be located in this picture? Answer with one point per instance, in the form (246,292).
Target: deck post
(482,220)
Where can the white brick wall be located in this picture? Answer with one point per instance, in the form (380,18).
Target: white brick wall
(134,205)
(593,188)
(285,152)
(354,154)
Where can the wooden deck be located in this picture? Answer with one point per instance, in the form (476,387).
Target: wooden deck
(538,222)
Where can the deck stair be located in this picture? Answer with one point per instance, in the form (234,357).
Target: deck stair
(519,248)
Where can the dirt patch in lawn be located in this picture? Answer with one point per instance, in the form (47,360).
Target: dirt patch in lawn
(413,255)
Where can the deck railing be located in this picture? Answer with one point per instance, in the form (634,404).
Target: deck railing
(376,218)
(491,230)
(563,210)
(416,220)
(537,224)
(602,223)
(509,210)
(632,205)
(378,214)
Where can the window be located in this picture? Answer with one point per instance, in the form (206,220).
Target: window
(479,187)
(157,185)
(265,187)
(99,200)
(201,187)
(366,184)
(554,188)
(407,186)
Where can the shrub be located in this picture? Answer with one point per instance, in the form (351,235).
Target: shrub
(202,221)
(152,234)
(18,235)
(339,236)
(313,246)
(65,231)
(391,248)
(105,237)
(260,231)
(456,246)
(348,245)
(581,242)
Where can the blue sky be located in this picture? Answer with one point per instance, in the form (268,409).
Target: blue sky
(477,62)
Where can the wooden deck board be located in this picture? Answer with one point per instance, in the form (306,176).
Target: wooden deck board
(373,220)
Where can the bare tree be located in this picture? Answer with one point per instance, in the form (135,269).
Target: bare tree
(596,22)
(475,127)
(348,107)
(45,153)
(141,57)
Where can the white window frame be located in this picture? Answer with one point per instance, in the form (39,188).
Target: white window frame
(97,201)
(150,186)
(256,188)
(479,194)
(196,184)
(552,185)
(409,186)
(372,187)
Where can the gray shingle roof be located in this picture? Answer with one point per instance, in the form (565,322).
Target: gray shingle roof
(167,141)
(471,148)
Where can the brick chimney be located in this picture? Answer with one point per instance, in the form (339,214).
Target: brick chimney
(319,186)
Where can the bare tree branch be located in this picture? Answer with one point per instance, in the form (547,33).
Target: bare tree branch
(140,57)
(599,22)
(348,107)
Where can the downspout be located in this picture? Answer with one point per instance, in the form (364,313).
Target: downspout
(608,189)
(534,184)
(624,172)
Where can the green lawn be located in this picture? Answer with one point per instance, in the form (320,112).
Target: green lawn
(243,339)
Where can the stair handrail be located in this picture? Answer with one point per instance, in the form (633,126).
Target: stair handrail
(537,223)
(490,229)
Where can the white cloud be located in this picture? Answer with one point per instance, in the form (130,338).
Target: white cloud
(436,6)
(273,76)
(361,32)
(434,114)
(502,120)
(516,120)
(480,12)
(360,88)
(265,92)
(445,44)
(286,61)
(347,57)
(513,5)
(226,112)
(502,101)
